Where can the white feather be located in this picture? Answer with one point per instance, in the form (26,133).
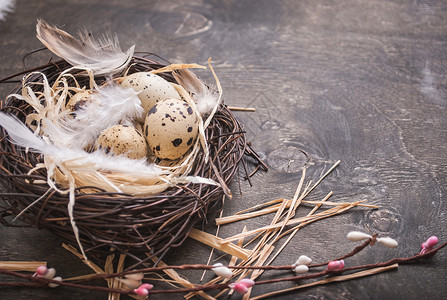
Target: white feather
(111,105)
(6,6)
(79,159)
(20,134)
(204,97)
(103,56)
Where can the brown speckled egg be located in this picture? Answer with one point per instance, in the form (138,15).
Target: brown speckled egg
(151,89)
(78,100)
(170,128)
(122,140)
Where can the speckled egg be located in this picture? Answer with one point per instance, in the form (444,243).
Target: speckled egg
(78,100)
(122,140)
(171,126)
(151,89)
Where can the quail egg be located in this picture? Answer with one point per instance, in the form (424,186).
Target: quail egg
(78,100)
(171,126)
(122,140)
(151,89)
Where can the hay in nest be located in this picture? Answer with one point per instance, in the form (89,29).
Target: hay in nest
(111,220)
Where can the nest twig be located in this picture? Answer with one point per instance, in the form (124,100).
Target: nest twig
(127,223)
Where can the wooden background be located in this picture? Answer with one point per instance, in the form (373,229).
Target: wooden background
(363,82)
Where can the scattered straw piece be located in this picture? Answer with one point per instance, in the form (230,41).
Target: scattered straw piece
(232,262)
(296,201)
(240,242)
(305,220)
(30,266)
(235,108)
(92,265)
(173,67)
(216,242)
(264,255)
(180,280)
(240,217)
(108,269)
(217,234)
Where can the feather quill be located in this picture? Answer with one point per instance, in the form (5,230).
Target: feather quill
(103,56)
(204,97)
(111,105)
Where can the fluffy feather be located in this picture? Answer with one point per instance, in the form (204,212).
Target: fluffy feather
(6,6)
(102,56)
(204,98)
(110,105)
(96,161)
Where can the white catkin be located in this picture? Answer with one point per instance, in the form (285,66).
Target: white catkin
(303,260)
(130,283)
(356,236)
(301,269)
(51,272)
(135,276)
(222,271)
(388,242)
(54,285)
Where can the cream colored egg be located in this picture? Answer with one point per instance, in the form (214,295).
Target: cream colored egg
(170,128)
(151,89)
(122,140)
(78,101)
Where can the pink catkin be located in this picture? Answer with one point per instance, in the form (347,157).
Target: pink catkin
(239,287)
(147,286)
(41,270)
(335,265)
(429,244)
(247,282)
(141,291)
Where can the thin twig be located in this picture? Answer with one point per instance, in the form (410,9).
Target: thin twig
(43,281)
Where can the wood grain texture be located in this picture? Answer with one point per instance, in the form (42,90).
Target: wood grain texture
(364,82)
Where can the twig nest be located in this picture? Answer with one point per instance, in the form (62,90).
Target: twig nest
(171,126)
(131,192)
(151,89)
(122,140)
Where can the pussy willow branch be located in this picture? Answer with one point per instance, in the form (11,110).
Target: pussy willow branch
(36,282)
(43,282)
(209,267)
(405,260)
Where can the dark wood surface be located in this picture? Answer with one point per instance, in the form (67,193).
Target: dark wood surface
(364,82)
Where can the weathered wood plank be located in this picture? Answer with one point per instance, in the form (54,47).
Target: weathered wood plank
(363,82)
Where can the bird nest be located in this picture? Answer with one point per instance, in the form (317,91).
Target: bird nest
(105,219)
